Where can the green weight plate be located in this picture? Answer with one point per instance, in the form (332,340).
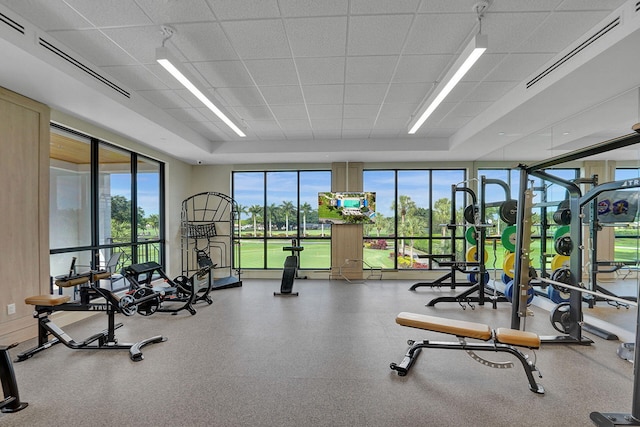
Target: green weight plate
(508,238)
(470,235)
(561,231)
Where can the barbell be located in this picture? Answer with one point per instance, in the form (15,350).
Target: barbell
(560,285)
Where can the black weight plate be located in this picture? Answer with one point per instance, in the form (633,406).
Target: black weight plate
(563,246)
(509,211)
(562,217)
(470,214)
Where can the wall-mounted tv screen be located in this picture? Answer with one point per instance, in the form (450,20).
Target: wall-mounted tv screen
(354,207)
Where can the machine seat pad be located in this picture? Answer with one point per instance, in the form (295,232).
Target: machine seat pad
(47,300)
(459,328)
(516,337)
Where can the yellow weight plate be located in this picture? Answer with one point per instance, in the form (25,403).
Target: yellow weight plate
(559,261)
(472,256)
(509,264)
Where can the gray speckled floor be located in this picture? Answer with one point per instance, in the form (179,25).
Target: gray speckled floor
(321,359)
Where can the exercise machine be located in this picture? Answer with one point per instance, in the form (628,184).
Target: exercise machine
(49,334)
(498,340)
(290,272)
(11,401)
(174,295)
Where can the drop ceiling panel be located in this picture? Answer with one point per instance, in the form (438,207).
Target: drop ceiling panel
(590,4)
(52,15)
(325,111)
(173,12)
(270,72)
(295,125)
(421,68)
(135,42)
(365,7)
(282,95)
(313,7)
(224,73)
(507,31)
(201,42)
(326,124)
(400,93)
(448,6)
(377,35)
(323,94)
(517,66)
(110,13)
(245,9)
(440,33)
(291,112)
(255,112)
(241,96)
(370,69)
(364,93)
(258,39)
(527,5)
(360,111)
(315,71)
(317,36)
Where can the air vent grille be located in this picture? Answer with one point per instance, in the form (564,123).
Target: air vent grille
(83,67)
(13,24)
(582,46)
(638,6)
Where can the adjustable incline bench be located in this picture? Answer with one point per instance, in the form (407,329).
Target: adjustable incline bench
(500,339)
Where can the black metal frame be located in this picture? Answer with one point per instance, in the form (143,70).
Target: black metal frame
(11,401)
(104,340)
(416,347)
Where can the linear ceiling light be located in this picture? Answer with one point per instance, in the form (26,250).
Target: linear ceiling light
(177,70)
(465,61)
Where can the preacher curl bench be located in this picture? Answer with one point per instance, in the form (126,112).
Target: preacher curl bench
(500,339)
(45,305)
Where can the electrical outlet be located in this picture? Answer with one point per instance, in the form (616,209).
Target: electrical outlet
(11,309)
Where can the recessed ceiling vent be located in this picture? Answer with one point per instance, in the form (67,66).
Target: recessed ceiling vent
(638,6)
(70,59)
(10,22)
(582,46)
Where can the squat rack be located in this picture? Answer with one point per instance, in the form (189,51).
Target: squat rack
(576,202)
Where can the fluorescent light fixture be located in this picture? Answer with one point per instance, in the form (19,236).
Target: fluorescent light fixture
(465,61)
(177,70)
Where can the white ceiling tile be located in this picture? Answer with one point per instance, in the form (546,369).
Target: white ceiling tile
(291,112)
(320,70)
(254,112)
(209,130)
(224,73)
(241,96)
(483,68)
(271,135)
(244,9)
(355,134)
(440,33)
(326,124)
(327,134)
(560,30)
(447,6)
(93,46)
(452,121)
(377,35)
(421,68)
(325,111)
(401,93)
(470,109)
(370,69)
(364,7)
(273,71)
(313,7)
(52,15)
(258,39)
(357,124)
(323,94)
(506,31)
(263,125)
(364,93)
(295,125)
(386,133)
(525,5)
(391,123)
(461,91)
(110,13)
(136,42)
(359,111)
(202,42)
(317,36)
(589,4)
(517,66)
(282,95)
(395,111)
(172,12)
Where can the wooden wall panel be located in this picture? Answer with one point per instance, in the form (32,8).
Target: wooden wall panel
(24,198)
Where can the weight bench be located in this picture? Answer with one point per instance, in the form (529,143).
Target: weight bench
(50,334)
(500,339)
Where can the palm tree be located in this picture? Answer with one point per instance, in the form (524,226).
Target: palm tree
(442,213)
(241,209)
(255,210)
(272,211)
(406,207)
(288,209)
(306,209)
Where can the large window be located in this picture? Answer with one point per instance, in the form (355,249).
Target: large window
(277,208)
(412,212)
(627,236)
(104,200)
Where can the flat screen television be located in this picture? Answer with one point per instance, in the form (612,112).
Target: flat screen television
(348,207)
